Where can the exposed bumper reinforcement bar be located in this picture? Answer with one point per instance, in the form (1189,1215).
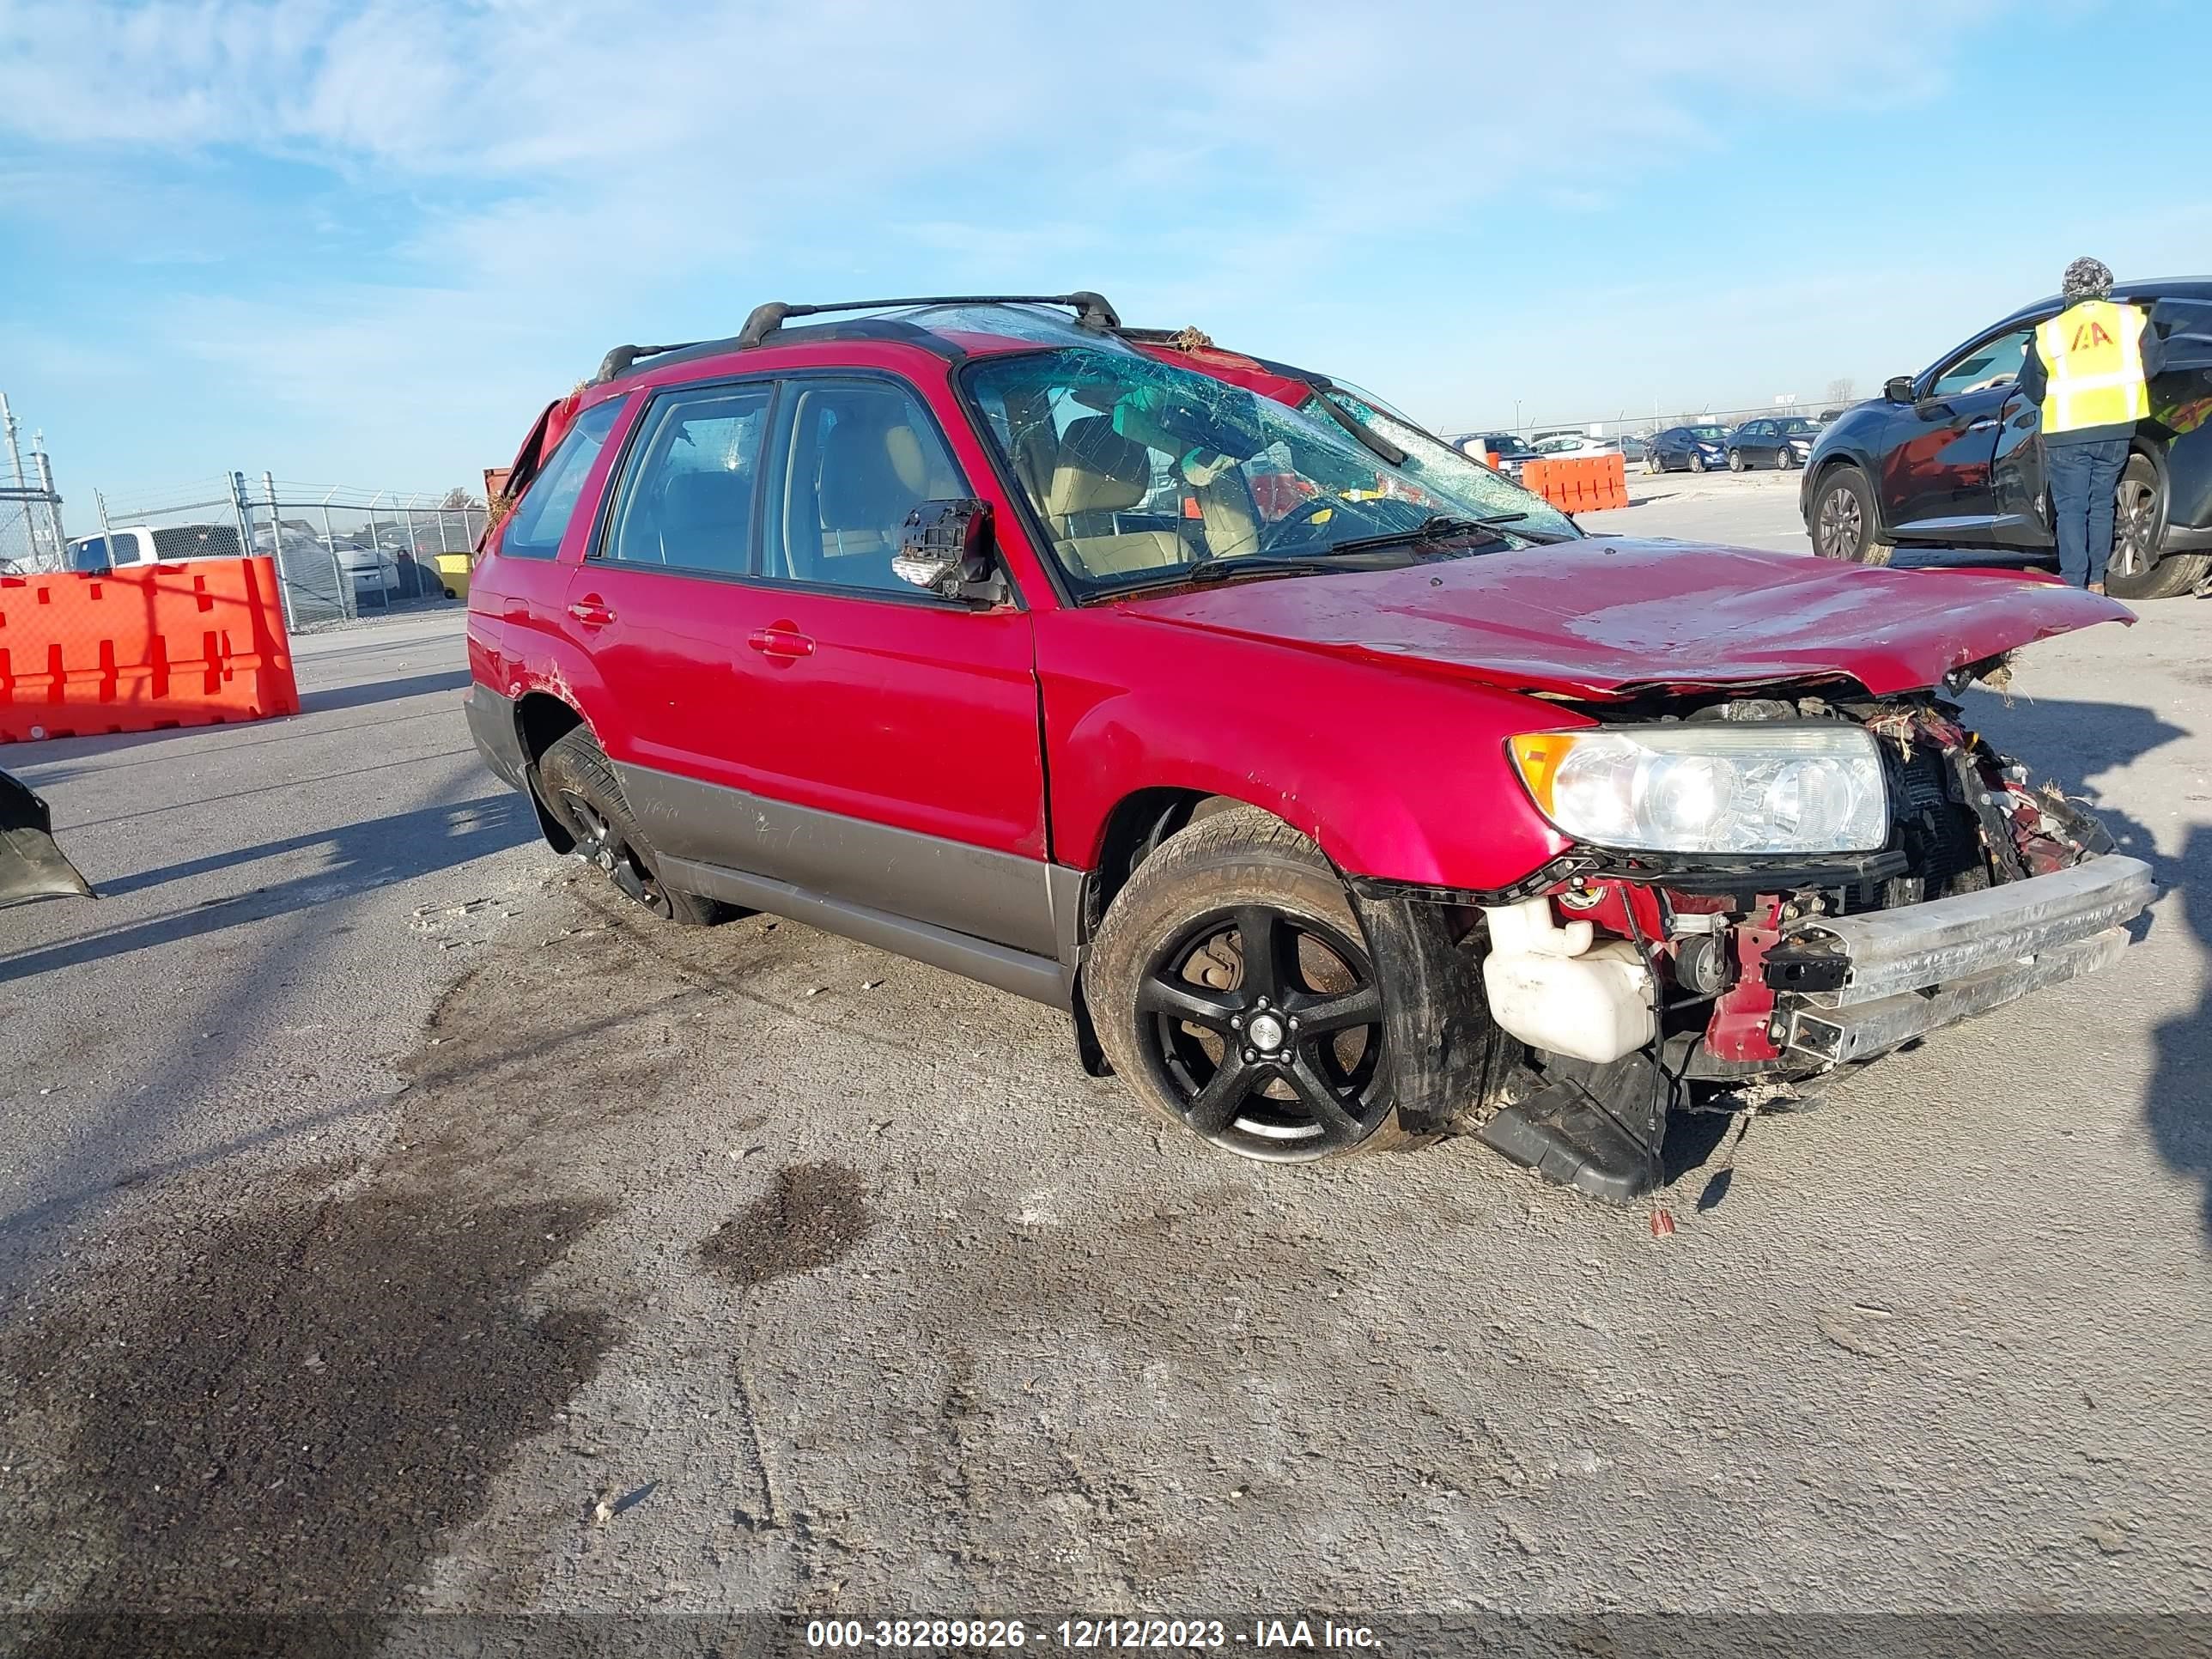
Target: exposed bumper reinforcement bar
(1867,1029)
(1916,946)
(1892,975)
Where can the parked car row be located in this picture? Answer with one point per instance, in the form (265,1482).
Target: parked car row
(1111,667)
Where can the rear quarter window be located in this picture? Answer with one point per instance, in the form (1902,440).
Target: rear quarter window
(541,518)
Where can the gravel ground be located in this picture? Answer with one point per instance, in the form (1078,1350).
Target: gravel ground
(392,1221)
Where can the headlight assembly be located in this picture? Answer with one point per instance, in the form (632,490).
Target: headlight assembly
(1710,788)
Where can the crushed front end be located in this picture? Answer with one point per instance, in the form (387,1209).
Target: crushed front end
(1636,977)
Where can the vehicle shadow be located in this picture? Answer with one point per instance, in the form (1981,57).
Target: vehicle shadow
(353,696)
(2178,1105)
(371,854)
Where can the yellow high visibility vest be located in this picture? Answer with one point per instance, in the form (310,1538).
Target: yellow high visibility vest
(2094,353)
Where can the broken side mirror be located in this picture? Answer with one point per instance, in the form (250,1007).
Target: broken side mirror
(1897,389)
(945,549)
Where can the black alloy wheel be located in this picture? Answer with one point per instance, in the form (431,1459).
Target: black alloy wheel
(585,797)
(1233,990)
(1266,1028)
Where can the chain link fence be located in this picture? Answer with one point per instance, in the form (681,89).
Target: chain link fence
(340,552)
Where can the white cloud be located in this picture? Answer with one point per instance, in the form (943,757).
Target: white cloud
(578,169)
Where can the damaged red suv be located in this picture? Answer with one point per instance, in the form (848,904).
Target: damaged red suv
(1342,791)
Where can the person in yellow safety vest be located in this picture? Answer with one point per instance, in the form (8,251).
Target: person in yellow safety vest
(2088,367)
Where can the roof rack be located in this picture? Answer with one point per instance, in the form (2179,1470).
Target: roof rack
(1092,310)
(618,361)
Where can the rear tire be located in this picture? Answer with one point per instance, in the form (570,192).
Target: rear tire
(2137,571)
(582,793)
(1232,989)
(1844,524)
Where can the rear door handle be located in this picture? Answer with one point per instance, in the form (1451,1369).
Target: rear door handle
(779,643)
(591,611)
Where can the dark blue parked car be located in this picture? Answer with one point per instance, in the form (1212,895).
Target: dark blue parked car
(1686,449)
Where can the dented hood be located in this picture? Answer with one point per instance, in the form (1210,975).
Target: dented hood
(1608,618)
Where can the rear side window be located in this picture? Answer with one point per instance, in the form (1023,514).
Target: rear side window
(539,522)
(687,500)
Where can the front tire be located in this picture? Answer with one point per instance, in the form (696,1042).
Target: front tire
(1231,985)
(1784,458)
(1736,461)
(1844,525)
(1697,463)
(583,794)
(2137,571)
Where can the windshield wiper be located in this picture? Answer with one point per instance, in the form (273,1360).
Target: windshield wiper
(1439,528)
(1218,568)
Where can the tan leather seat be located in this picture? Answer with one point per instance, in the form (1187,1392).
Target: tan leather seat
(1096,470)
(871,478)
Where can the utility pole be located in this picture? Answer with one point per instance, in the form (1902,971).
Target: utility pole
(53,499)
(23,487)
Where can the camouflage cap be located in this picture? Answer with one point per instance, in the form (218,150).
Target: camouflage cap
(2086,279)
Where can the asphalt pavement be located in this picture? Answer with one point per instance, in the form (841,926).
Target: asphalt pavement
(395,1223)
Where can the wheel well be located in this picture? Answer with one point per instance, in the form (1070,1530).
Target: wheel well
(541,721)
(1134,829)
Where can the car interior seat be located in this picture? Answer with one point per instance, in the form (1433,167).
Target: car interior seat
(705,520)
(874,473)
(1096,470)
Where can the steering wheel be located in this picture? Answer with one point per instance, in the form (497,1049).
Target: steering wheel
(1304,512)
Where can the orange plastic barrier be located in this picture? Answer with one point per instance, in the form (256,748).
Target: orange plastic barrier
(142,649)
(1578,483)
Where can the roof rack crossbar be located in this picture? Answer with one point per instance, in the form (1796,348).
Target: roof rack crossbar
(1092,310)
(618,361)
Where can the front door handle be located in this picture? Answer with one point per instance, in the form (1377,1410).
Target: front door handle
(1985,424)
(784,642)
(591,611)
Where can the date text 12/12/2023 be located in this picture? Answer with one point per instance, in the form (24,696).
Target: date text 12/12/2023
(1161,1634)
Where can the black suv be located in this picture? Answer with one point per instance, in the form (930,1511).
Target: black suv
(1948,457)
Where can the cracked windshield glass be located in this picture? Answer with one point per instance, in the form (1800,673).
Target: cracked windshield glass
(1142,472)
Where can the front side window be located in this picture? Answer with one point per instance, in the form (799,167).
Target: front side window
(542,517)
(90,554)
(1139,471)
(686,501)
(854,459)
(1984,368)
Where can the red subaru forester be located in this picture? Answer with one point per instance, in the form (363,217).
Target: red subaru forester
(1341,790)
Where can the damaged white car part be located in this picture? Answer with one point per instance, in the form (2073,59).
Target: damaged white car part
(1554,989)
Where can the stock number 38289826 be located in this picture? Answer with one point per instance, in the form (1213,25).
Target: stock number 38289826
(1163,1633)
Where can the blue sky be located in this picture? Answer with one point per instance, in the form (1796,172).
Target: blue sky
(363,243)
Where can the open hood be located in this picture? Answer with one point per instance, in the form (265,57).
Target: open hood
(1606,618)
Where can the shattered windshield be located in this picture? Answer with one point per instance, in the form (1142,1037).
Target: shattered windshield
(1143,473)
(1475,489)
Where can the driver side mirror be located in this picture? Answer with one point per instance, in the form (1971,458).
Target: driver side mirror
(1898,389)
(945,549)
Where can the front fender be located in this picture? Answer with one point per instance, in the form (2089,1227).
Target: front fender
(1400,774)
